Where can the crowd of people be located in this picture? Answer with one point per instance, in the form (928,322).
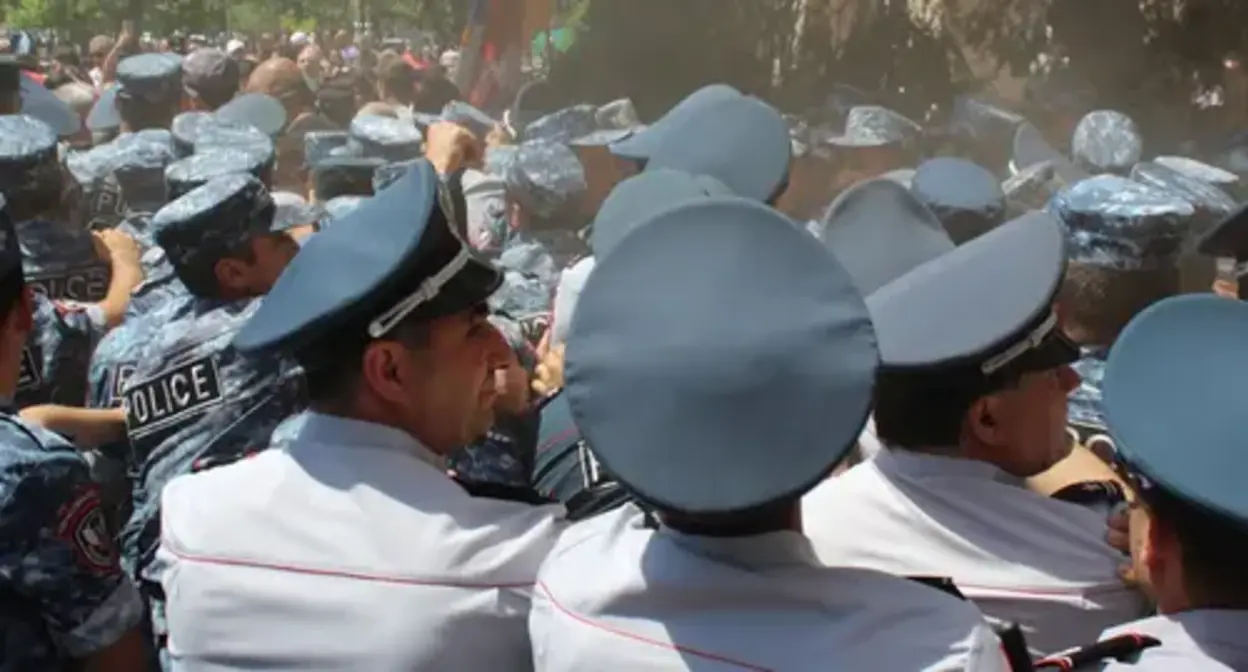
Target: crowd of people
(306,363)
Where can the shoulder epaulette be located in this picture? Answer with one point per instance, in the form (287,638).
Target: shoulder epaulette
(1121,648)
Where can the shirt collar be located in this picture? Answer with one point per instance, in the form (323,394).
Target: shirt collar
(327,429)
(756,552)
(916,464)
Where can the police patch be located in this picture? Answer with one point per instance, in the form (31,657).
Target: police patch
(121,375)
(534,326)
(81,284)
(105,205)
(172,397)
(81,524)
(31,375)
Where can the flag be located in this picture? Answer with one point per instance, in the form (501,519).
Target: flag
(493,46)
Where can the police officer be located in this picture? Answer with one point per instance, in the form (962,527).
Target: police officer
(544,186)
(724,554)
(388,320)
(68,599)
(1177,448)
(148,94)
(386,138)
(192,400)
(77,299)
(1125,241)
(969,401)
(1106,141)
(210,78)
(566,468)
(876,141)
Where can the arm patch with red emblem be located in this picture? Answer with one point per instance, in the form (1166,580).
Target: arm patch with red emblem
(82,525)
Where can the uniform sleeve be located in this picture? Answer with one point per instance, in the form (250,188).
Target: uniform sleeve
(66,564)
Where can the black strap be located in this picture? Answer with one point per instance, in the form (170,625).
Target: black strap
(1014,646)
(942,583)
(597,499)
(1092,492)
(1121,648)
(509,493)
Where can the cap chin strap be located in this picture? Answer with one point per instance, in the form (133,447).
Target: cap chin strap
(428,289)
(1031,341)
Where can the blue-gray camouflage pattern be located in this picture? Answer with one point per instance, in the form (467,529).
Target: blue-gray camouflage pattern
(212,220)
(340,207)
(117,354)
(563,126)
(1083,408)
(222,134)
(58,353)
(546,179)
(61,261)
(193,402)
(1211,203)
(185,131)
(618,114)
(1198,170)
(122,177)
(1107,141)
(387,174)
(875,126)
(387,138)
(294,210)
(463,114)
(485,200)
(187,174)
(28,153)
(1031,188)
(498,159)
(160,283)
(1118,223)
(66,597)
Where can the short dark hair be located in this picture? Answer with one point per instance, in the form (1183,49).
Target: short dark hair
(332,381)
(1097,302)
(397,76)
(928,408)
(201,279)
(141,115)
(1214,550)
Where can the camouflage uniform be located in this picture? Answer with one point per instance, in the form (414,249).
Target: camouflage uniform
(193,401)
(67,595)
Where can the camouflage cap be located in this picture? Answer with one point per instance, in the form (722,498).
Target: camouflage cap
(386,138)
(499,158)
(194,171)
(875,126)
(1118,223)
(229,134)
(1107,141)
(386,175)
(185,129)
(463,114)
(514,333)
(139,168)
(319,145)
(199,227)
(546,179)
(1199,170)
(1211,203)
(337,208)
(1031,188)
(152,79)
(334,177)
(294,210)
(522,294)
(563,126)
(28,154)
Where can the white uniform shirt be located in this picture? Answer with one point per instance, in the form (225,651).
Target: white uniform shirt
(616,595)
(350,549)
(1201,640)
(1021,557)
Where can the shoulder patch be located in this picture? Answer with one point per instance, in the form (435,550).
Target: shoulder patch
(121,375)
(31,375)
(81,524)
(105,204)
(172,396)
(534,326)
(78,284)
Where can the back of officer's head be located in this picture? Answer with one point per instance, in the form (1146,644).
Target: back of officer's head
(219,241)
(30,172)
(10,85)
(1192,556)
(1125,240)
(149,93)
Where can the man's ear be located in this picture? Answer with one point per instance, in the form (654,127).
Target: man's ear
(983,420)
(231,273)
